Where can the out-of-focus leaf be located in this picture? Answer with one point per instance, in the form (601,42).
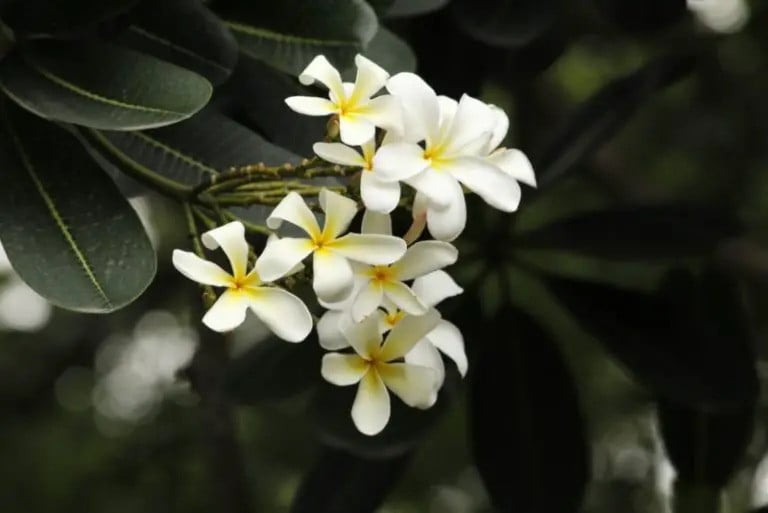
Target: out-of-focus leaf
(527,432)
(405,8)
(686,343)
(341,482)
(101,86)
(54,17)
(388,51)
(603,115)
(636,232)
(380,6)
(505,23)
(643,15)
(289,34)
(186,33)
(67,230)
(274,370)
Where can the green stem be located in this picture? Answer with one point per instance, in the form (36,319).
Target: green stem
(209,296)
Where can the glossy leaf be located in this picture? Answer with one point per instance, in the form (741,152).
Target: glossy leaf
(390,52)
(66,229)
(201,42)
(289,34)
(101,86)
(407,8)
(527,431)
(54,17)
(505,23)
(636,232)
(341,482)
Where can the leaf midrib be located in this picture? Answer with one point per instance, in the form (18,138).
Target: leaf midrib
(286,38)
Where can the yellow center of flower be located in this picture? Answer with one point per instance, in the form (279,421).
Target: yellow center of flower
(381,273)
(393,318)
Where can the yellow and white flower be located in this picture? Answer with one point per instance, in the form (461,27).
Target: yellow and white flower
(375,367)
(359,113)
(332,252)
(284,314)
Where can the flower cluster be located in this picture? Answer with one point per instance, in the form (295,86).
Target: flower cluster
(380,291)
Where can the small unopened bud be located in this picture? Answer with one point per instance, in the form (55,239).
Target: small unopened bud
(332,128)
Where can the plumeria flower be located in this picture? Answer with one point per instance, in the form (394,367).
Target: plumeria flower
(377,194)
(511,161)
(454,137)
(333,278)
(377,282)
(374,367)
(359,114)
(284,314)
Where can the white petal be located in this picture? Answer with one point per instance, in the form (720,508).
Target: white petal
(448,339)
(339,212)
(294,209)
(407,333)
(498,189)
(377,223)
(383,111)
(281,256)
(228,312)
(343,369)
(473,120)
(329,330)
(370,248)
(435,287)
(423,258)
(231,239)
(405,299)
(515,164)
(500,127)
(364,336)
(355,129)
(399,161)
(379,195)
(322,71)
(425,354)
(311,105)
(370,79)
(332,276)
(339,154)
(437,185)
(448,223)
(421,113)
(448,107)
(199,270)
(371,409)
(367,300)
(414,384)
(283,313)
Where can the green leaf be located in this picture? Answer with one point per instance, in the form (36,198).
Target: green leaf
(388,51)
(407,8)
(505,23)
(527,429)
(101,86)
(289,34)
(57,17)
(67,230)
(380,6)
(185,33)
(341,482)
(636,232)
(602,116)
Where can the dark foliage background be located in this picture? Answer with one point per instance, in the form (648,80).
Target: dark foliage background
(615,325)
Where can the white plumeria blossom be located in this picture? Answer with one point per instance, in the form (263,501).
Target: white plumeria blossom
(456,139)
(359,114)
(379,282)
(333,278)
(285,314)
(378,195)
(374,368)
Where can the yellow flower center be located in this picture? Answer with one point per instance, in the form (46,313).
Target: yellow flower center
(381,273)
(393,318)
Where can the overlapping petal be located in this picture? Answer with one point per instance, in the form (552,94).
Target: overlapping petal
(311,105)
(498,189)
(231,239)
(339,154)
(343,369)
(320,70)
(407,333)
(435,287)
(281,256)
(332,277)
(228,312)
(370,249)
(424,257)
(369,80)
(377,194)
(199,270)
(414,384)
(448,339)
(405,299)
(339,212)
(283,313)
(293,209)
(399,161)
(371,409)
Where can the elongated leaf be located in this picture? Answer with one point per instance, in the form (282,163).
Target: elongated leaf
(636,233)
(67,230)
(380,6)
(602,116)
(505,23)
(390,52)
(186,33)
(101,86)
(341,482)
(406,8)
(289,34)
(686,344)
(54,17)
(527,432)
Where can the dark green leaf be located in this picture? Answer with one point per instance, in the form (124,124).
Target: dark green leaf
(636,232)
(186,33)
(289,34)
(57,17)
(403,8)
(687,343)
(505,23)
(390,52)
(340,483)
(603,115)
(526,420)
(101,86)
(67,230)
(380,6)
